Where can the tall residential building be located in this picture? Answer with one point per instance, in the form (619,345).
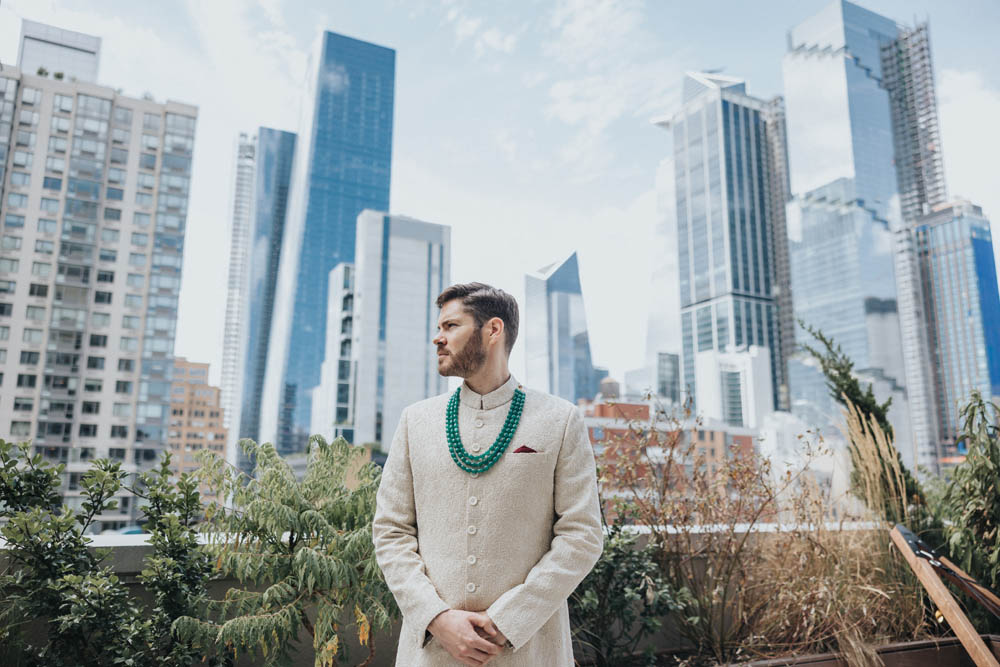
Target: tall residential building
(401,265)
(557,345)
(274,154)
(333,398)
(65,54)
(845,203)
(723,163)
(234,333)
(342,168)
(668,376)
(960,290)
(94,206)
(196,416)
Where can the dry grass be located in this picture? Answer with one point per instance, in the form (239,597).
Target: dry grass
(807,588)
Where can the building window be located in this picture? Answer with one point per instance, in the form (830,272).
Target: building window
(55,164)
(38,290)
(112,214)
(23,159)
(17,200)
(50,205)
(35,313)
(130,322)
(102,297)
(98,340)
(20,179)
(41,269)
(133,301)
(90,407)
(123,387)
(57,144)
(105,276)
(14,220)
(95,363)
(133,280)
(47,226)
(6,309)
(100,319)
(137,259)
(92,386)
(10,242)
(128,344)
(26,381)
(88,430)
(31,336)
(59,125)
(52,183)
(107,255)
(116,194)
(20,429)
(45,247)
(143,199)
(22,404)
(7,286)
(119,431)
(8,265)
(29,358)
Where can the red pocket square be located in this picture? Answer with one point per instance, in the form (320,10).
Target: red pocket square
(524,449)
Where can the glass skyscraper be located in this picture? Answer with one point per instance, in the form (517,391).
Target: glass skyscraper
(960,291)
(557,345)
(274,154)
(723,171)
(843,183)
(342,168)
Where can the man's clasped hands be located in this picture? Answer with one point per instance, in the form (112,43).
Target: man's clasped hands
(469,636)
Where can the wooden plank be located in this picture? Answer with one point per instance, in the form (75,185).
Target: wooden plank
(941,596)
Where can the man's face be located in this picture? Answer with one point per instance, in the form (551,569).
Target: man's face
(460,346)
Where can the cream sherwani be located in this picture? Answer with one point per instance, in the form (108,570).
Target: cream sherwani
(514,541)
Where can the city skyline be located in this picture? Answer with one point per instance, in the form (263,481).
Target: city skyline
(595,194)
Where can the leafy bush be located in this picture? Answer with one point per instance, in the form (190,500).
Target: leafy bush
(972,499)
(56,578)
(621,601)
(305,545)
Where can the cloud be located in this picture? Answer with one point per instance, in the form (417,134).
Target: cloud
(611,68)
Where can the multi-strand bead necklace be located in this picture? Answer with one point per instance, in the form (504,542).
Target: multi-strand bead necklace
(479,463)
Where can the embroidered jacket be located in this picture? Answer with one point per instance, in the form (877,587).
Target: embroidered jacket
(514,541)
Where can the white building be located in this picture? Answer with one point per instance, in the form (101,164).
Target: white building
(93,206)
(234,338)
(735,386)
(333,399)
(401,266)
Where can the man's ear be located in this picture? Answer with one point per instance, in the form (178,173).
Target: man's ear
(496,330)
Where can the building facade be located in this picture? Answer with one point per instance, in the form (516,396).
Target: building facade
(233,335)
(94,203)
(735,385)
(960,291)
(402,265)
(723,163)
(844,196)
(342,167)
(333,398)
(196,417)
(557,345)
(65,54)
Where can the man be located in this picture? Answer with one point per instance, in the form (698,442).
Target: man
(487,516)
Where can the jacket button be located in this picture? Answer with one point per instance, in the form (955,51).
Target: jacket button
(479,423)
(475,447)
(472,530)
(471,587)
(471,559)
(473,500)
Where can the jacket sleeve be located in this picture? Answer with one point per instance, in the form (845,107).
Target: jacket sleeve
(394,533)
(577,543)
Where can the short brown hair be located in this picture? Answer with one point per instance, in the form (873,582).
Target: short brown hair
(484,302)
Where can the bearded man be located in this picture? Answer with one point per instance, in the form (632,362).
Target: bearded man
(487,516)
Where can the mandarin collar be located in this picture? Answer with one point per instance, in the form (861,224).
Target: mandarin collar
(502,394)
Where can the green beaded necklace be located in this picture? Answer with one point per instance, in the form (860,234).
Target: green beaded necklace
(476,464)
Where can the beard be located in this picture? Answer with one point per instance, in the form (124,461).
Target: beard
(469,359)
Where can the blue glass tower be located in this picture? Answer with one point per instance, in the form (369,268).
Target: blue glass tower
(557,344)
(960,291)
(724,218)
(275,152)
(342,167)
(845,202)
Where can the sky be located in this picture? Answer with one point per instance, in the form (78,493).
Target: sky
(524,125)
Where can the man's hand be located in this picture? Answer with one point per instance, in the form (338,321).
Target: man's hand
(459,633)
(499,639)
